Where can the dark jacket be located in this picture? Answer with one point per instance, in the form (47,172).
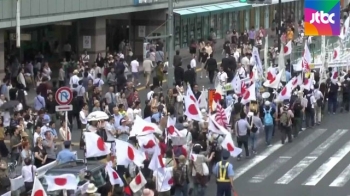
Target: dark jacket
(190,76)
(212,65)
(177,60)
(179,74)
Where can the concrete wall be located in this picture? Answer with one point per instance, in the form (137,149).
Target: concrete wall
(95,28)
(36,12)
(2,54)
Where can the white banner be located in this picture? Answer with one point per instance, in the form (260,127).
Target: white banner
(256,56)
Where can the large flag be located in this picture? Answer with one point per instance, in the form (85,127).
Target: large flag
(61,182)
(220,116)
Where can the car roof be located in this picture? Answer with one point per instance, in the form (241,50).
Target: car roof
(75,167)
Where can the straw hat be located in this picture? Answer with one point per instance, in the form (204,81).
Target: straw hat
(75,71)
(91,188)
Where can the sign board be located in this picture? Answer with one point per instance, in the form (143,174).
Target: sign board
(211,94)
(178,141)
(64,96)
(86,42)
(64,108)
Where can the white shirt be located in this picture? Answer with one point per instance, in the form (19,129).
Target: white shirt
(222,76)
(27,174)
(74,80)
(162,179)
(241,72)
(7,118)
(92,73)
(110,130)
(130,114)
(82,117)
(98,70)
(149,95)
(85,58)
(313,101)
(137,112)
(193,63)
(134,66)
(236,55)
(36,135)
(99,82)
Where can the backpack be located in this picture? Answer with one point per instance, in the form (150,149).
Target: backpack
(179,175)
(284,119)
(268,120)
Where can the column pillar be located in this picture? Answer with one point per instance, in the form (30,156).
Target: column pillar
(2,54)
(95,30)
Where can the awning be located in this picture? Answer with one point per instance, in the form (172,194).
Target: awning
(232,6)
(272,3)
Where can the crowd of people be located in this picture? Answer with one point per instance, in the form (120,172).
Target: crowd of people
(34,133)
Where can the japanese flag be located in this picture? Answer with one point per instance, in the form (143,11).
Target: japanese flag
(249,95)
(113,176)
(127,153)
(38,189)
(334,77)
(336,53)
(138,182)
(142,127)
(147,142)
(307,83)
(95,146)
(192,108)
(156,162)
(286,91)
(171,130)
(273,81)
(166,179)
(61,182)
(228,144)
(287,49)
(296,80)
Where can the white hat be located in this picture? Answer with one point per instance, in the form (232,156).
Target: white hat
(267,103)
(250,114)
(91,188)
(75,71)
(265,95)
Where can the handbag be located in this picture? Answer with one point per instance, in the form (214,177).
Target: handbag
(199,178)
(205,169)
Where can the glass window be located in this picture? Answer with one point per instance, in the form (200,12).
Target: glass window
(205,27)
(213,24)
(192,29)
(184,32)
(225,23)
(219,26)
(235,21)
(177,32)
(230,19)
(199,33)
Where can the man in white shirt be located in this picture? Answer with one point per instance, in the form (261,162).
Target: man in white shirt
(222,76)
(83,116)
(241,71)
(236,54)
(74,80)
(110,132)
(193,63)
(318,106)
(98,81)
(135,71)
(150,93)
(85,57)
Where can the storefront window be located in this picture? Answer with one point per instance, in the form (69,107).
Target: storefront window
(213,23)
(235,21)
(205,27)
(230,19)
(257,18)
(184,25)
(192,29)
(246,19)
(199,34)
(177,33)
(225,23)
(219,27)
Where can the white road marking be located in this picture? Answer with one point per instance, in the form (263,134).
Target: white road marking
(305,162)
(328,165)
(257,159)
(342,179)
(287,156)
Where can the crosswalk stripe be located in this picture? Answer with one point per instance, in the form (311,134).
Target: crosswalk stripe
(328,165)
(342,179)
(287,156)
(257,159)
(305,162)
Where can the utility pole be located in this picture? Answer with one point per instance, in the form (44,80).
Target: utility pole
(18,23)
(170,44)
(279,26)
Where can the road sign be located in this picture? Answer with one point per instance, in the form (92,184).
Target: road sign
(64,108)
(64,96)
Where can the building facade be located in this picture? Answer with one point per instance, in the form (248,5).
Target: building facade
(100,26)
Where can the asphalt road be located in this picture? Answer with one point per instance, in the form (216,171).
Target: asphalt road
(315,163)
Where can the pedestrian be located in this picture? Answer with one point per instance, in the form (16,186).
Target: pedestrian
(242,127)
(223,171)
(268,113)
(286,123)
(211,66)
(28,173)
(66,155)
(180,176)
